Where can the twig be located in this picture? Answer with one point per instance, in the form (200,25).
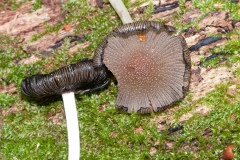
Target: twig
(121,11)
(164,8)
(204,42)
(12,23)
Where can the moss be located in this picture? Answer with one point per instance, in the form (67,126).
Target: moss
(12,4)
(37,5)
(32,133)
(229,53)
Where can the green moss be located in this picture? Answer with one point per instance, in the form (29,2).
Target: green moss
(29,135)
(10,55)
(48,29)
(229,52)
(12,4)
(7,100)
(233,8)
(37,5)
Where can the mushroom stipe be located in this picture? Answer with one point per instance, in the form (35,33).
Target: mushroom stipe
(151,65)
(79,78)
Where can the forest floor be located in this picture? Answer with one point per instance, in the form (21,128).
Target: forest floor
(41,36)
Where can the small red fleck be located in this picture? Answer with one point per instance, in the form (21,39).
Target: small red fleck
(228,153)
(67,27)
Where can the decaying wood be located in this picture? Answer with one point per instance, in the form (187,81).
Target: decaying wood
(216,19)
(209,80)
(22,23)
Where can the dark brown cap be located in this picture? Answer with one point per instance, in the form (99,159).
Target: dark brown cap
(79,78)
(151,65)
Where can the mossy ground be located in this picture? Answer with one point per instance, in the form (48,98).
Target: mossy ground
(30,131)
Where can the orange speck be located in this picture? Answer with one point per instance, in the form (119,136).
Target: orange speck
(142,37)
(228,153)
(67,27)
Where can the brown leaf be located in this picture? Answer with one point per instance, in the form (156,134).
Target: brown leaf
(228,153)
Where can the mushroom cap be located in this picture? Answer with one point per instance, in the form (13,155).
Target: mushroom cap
(79,78)
(152,67)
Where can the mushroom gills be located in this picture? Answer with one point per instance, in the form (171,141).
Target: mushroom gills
(151,65)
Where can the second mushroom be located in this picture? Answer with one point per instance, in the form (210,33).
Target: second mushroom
(151,65)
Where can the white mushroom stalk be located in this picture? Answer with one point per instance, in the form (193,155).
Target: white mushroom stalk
(69,98)
(72,126)
(76,78)
(121,11)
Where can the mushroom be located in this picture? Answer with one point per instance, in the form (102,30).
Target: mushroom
(152,66)
(79,78)
(76,78)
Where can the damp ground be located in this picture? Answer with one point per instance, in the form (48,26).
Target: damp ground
(41,36)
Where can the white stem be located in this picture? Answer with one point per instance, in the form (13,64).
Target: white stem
(72,126)
(121,11)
